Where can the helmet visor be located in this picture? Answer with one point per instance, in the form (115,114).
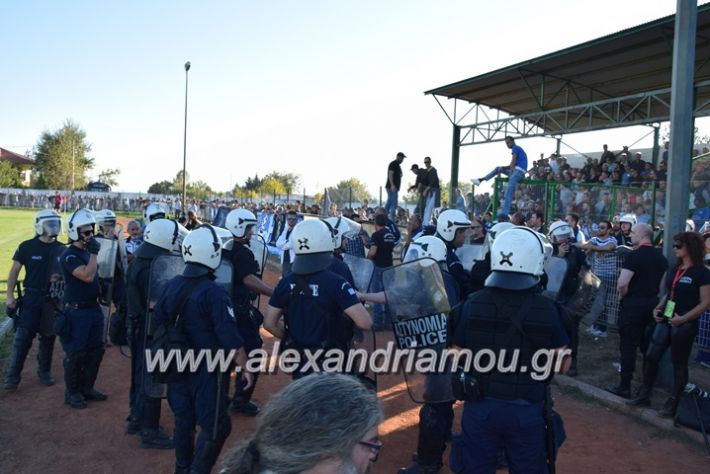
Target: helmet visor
(52,227)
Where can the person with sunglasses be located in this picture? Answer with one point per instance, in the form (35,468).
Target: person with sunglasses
(342,439)
(677,316)
(83,342)
(37,311)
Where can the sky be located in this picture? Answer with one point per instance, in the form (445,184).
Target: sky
(325,89)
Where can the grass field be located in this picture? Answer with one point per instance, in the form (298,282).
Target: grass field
(17,225)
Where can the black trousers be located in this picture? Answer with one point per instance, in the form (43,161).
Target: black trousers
(635,327)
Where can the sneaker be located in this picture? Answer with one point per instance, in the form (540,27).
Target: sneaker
(476,182)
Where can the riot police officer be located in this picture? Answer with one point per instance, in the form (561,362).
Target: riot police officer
(623,237)
(338,227)
(509,314)
(83,341)
(201,397)
(481,269)
(35,315)
(245,285)
(435,419)
(155,210)
(162,237)
(312,299)
(451,228)
(113,289)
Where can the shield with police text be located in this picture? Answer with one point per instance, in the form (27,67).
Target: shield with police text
(163,269)
(556,270)
(469,253)
(362,269)
(417,299)
(257,245)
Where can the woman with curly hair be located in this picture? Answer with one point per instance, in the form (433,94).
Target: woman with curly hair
(677,315)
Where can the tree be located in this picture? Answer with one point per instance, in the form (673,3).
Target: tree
(162,187)
(341,193)
(290,181)
(198,190)
(62,159)
(109,176)
(272,186)
(10,176)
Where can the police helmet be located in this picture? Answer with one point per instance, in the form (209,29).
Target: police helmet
(517,259)
(79,218)
(155,210)
(105,217)
(338,227)
(203,247)
(628,219)
(560,230)
(238,221)
(426,247)
(546,245)
(449,222)
(49,222)
(312,244)
(166,234)
(689,225)
(496,230)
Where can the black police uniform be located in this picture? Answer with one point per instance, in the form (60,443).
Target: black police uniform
(455,268)
(576,259)
(480,271)
(511,409)
(636,311)
(35,310)
(201,398)
(313,307)
(339,267)
(83,345)
(145,411)
(244,264)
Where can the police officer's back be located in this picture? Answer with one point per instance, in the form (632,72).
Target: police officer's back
(508,315)
(451,228)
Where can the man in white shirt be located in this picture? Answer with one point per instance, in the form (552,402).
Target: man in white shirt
(283,243)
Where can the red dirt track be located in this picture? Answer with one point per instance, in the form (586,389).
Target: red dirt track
(39,434)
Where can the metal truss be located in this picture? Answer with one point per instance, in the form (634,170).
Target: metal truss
(493,125)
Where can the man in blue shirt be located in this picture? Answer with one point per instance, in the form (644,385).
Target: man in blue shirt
(515,172)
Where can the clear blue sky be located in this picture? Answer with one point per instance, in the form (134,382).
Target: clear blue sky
(325,89)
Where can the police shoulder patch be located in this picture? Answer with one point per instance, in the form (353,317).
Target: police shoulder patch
(230,311)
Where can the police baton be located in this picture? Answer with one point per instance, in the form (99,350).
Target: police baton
(549,431)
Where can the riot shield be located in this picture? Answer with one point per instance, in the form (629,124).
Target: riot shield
(221,217)
(257,245)
(362,269)
(556,269)
(586,294)
(163,269)
(106,268)
(419,304)
(468,253)
(223,276)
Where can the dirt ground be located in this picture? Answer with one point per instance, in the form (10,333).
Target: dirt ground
(39,434)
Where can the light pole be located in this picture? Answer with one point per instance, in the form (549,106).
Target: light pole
(73,159)
(184,150)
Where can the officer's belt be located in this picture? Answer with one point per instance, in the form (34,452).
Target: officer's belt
(34,290)
(82,305)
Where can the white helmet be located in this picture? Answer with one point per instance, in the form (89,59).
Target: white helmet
(560,230)
(517,259)
(496,230)
(105,217)
(689,225)
(628,219)
(166,234)
(426,246)
(338,227)
(203,246)
(79,218)
(312,244)
(449,222)
(155,210)
(238,220)
(48,221)
(546,245)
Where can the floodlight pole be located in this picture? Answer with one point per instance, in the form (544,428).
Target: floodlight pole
(184,150)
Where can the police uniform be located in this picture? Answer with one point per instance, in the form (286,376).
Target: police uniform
(339,267)
(455,268)
(511,409)
(209,323)
(36,310)
(83,344)
(145,410)
(313,307)
(576,259)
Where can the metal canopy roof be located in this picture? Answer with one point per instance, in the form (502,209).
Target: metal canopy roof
(618,80)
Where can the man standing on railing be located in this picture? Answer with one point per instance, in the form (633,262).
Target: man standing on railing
(394,180)
(515,171)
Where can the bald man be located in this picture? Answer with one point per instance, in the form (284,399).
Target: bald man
(639,285)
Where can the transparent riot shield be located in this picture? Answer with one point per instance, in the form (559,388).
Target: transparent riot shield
(163,269)
(586,295)
(417,299)
(556,269)
(362,269)
(468,253)
(106,268)
(221,217)
(257,245)
(223,276)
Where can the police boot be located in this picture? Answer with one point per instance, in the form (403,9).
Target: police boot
(92,361)
(44,360)
(152,435)
(241,403)
(643,397)
(134,424)
(209,451)
(20,347)
(72,380)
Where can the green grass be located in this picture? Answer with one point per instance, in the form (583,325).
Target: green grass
(17,225)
